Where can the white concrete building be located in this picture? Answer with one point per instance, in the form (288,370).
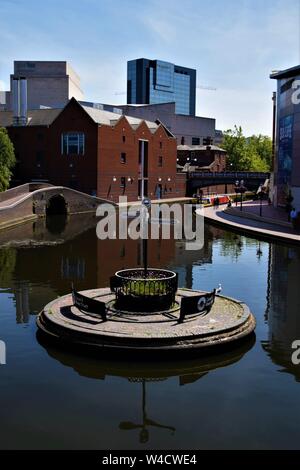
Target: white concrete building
(49,84)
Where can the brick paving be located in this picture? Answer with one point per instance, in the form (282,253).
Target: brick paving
(268,211)
(266,226)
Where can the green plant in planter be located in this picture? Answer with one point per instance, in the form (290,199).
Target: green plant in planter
(146,287)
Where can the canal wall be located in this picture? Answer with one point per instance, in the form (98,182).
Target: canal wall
(30,201)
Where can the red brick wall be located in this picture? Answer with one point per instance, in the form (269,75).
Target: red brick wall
(94,171)
(77,171)
(110,147)
(65,170)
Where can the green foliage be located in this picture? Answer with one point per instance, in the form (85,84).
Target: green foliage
(7,266)
(247,154)
(7,159)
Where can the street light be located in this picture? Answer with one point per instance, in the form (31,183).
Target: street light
(240,188)
(260,194)
(236,190)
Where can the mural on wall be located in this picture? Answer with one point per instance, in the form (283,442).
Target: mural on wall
(285,154)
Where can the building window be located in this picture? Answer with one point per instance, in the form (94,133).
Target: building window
(72,143)
(160,161)
(123,158)
(123,182)
(195,140)
(124,138)
(160,145)
(182,140)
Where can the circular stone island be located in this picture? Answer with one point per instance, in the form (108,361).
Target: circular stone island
(227,321)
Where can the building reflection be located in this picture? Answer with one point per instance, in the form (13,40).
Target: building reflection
(21,292)
(283,306)
(39,265)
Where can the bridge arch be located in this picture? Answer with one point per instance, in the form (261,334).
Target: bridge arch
(56,205)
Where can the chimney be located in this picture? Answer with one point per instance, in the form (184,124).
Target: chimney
(23,101)
(16,101)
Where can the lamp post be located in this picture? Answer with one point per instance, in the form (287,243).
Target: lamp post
(260,194)
(236,189)
(240,188)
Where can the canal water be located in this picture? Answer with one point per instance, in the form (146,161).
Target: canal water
(54,399)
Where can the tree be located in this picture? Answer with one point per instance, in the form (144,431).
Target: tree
(7,159)
(262,146)
(247,154)
(235,145)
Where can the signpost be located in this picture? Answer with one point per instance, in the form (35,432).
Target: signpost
(194,304)
(88,305)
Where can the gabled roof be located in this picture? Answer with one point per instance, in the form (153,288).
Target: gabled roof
(45,117)
(108,118)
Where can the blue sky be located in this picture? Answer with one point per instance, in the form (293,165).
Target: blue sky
(233,44)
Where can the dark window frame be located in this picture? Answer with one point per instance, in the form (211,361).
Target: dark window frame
(123,182)
(66,144)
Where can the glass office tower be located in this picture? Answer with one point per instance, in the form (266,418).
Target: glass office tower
(155,81)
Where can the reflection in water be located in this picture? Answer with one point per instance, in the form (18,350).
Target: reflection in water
(78,256)
(137,371)
(283,306)
(146,422)
(22,301)
(236,392)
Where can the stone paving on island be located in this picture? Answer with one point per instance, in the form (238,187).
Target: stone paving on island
(226,319)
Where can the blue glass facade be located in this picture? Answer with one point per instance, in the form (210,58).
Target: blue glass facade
(287,161)
(156,81)
(131,80)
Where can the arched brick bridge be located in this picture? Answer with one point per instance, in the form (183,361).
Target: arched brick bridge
(32,200)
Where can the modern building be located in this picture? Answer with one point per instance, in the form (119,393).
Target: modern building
(283,305)
(156,81)
(49,84)
(188,130)
(95,151)
(287,137)
(209,158)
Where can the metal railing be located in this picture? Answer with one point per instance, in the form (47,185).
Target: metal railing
(229,175)
(138,292)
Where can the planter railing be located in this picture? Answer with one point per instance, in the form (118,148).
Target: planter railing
(139,292)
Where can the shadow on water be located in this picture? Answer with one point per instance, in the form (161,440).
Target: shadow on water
(187,371)
(89,363)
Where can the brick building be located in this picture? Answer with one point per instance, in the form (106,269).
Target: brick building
(95,151)
(201,158)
